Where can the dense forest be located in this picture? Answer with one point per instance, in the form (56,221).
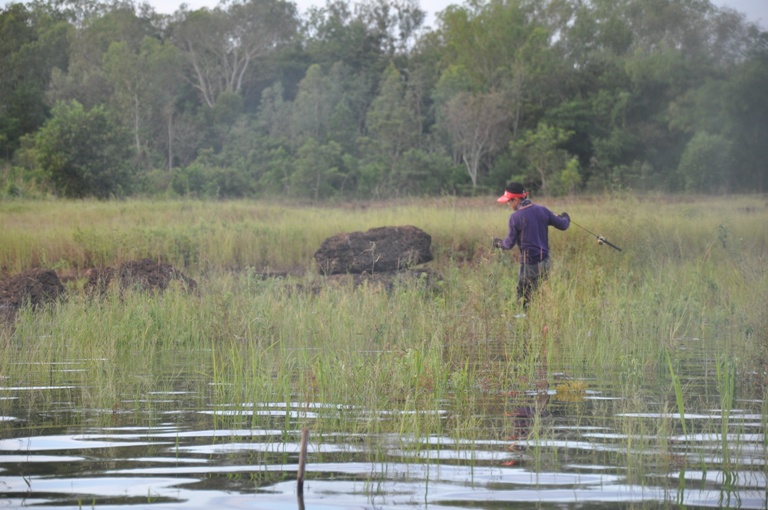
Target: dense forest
(362,100)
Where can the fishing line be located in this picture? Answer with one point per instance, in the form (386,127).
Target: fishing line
(600,239)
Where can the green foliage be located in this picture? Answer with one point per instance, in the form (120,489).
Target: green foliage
(84,153)
(569,179)
(32,42)
(204,180)
(429,173)
(492,42)
(314,105)
(319,171)
(747,119)
(23,177)
(249,84)
(145,84)
(545,159)
(453,80)
(474,123)
(277,172)
(206,39)
(393,129)
(705,163)
(18,182)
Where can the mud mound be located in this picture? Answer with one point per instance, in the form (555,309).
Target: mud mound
(143,274)
(378,250)
(34,287)
(381,258)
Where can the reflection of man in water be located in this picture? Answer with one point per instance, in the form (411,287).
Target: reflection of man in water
(523,417)
(528,230)
(528,407)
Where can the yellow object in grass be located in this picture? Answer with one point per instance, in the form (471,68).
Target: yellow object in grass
(571,391)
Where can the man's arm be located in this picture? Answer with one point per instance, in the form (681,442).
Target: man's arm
(561,222)
(509,242)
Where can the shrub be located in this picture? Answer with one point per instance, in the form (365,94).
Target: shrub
(83,153)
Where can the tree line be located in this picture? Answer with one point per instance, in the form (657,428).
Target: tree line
(362,100)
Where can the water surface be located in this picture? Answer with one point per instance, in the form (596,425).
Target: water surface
(177,446)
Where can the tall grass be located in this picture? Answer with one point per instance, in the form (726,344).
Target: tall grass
(202,235)
(417,361)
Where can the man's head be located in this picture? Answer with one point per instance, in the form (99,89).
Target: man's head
(514,192)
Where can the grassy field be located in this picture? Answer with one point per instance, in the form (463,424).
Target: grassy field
(691,268)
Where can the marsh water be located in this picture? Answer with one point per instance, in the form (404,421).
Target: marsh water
(176,445)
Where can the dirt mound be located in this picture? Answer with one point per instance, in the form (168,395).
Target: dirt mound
(34,287)
(378,250)
(382,258)
(143,274)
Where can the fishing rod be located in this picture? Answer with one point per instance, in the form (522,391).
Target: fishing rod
(600,239)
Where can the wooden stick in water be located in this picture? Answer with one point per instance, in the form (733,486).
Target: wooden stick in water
(302,460)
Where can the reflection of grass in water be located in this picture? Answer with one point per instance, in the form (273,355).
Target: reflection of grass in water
(391,364)
(726,385)
(679,398)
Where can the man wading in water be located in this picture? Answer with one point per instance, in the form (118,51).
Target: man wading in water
(528,228)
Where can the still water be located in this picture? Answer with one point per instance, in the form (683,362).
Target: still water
(174,447)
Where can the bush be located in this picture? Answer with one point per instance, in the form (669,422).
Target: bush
(201,180)
(84,154)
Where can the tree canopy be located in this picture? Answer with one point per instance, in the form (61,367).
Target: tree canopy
(357,100)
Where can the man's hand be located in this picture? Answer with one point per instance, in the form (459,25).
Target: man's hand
(565,215)
(496,242)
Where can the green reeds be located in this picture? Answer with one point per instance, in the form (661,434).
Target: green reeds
(679,397)
(726,385)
